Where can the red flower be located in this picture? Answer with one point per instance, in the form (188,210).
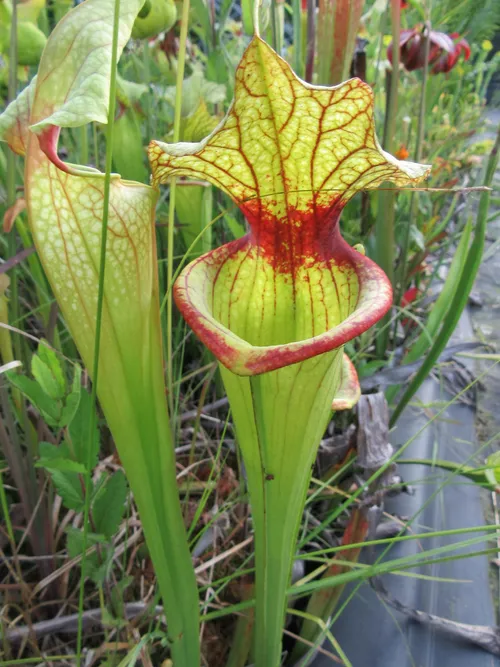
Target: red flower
(444,51)
(447,61)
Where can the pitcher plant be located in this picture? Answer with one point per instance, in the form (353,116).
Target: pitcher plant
(276,306)
(65,210)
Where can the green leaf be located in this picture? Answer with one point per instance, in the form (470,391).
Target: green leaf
(492,471)
(64,472)
(109,505)
(69,487)
(49,451)
(49,408)
(62,464)
(73,398)
(75,545)
(47,371)
(79,433)
(97,565)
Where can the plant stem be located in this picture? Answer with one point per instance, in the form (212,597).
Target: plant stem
(401,277)
(297,37)
(326,17)
(99,311)
(311,39)
(11,183)
(384,226)
(181,62)
(461,296)
(84,147)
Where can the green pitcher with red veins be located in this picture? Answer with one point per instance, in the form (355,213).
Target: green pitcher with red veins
(276,306)
(65,204)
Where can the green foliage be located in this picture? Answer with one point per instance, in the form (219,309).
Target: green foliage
(109,504)
(64,472)
(80,433)
(107,509)
(49,392)
(477,20)
(98,563)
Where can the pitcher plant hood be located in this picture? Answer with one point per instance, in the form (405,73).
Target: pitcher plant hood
(291,155)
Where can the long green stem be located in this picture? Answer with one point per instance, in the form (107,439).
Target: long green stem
(84,145)
(11,179)
(298,64)
(181,62)
(384,236)
(461,296)
(401,277)
(99,310)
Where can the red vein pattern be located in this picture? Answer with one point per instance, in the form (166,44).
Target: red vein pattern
(290,155)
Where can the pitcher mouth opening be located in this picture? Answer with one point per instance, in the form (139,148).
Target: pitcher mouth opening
(245,354)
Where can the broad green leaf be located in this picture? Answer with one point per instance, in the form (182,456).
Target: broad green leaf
(75,541)
(217,68)
(109,505)
(98,563)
